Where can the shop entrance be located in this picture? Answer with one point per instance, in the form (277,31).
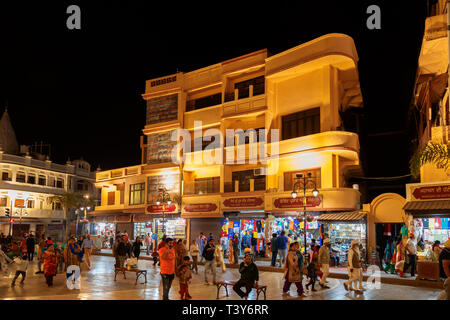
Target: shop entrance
(384,232)
(251,233)
(19,230)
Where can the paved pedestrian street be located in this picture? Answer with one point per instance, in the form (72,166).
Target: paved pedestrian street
(98,284)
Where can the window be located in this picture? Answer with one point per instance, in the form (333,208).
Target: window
(31,179)
(243,87)
(30,203)
(290,178)
(51,181)
(207,185)
(204,102)
(20,177)
(244,180)
(79,187)
(56,205)
(3,201)
(42,180)
(60,183)
(111,198)
(137,193)
(6,176)
(257,138)
(301,124)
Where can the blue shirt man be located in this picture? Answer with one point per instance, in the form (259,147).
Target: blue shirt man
(282,241)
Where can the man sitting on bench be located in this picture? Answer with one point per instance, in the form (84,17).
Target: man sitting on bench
(249,277)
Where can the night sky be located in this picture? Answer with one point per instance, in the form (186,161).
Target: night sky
(80,90)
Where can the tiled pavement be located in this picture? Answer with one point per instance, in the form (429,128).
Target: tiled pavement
(98,284)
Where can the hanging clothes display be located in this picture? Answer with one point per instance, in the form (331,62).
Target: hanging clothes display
(387,230)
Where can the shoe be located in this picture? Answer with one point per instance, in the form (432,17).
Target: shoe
(21,283)
(214,284)
(207,283)
(188,297)
(13,284)
(313,289)
(302,295)
(324,286)
(245,298)
(358,292)
(345,286)
(285,294)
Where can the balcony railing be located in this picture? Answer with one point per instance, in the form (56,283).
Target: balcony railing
(258,184)
(202,187)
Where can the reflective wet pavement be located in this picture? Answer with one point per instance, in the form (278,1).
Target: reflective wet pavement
(98,284)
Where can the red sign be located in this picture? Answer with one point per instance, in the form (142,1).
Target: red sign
(297,202)
(200,207)
(159,208)
(432,192)
(243,202)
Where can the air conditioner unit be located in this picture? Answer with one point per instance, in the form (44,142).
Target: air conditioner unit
(259,172)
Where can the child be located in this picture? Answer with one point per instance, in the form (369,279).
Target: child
(311,275)
(22,265)
(185,277)
(155,256)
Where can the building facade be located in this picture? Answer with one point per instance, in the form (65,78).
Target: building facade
(299,95)
(28,182)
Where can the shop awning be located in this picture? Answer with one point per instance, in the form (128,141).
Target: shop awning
(351,216)
(426,209)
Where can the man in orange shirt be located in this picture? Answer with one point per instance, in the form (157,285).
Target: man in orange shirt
(167,266)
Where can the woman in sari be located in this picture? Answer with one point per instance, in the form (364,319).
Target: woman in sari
(180,253)
(50,257)
(399,255)
(293,273)
(72,254)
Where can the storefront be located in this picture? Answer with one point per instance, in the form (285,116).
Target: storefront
(344,227)
(251,231)
(294,225)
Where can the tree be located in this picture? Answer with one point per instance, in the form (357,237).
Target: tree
(70,200)
(437,153)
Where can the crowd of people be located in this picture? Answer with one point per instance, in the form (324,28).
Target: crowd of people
(51,257)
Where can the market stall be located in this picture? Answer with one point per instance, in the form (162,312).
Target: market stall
(344,227)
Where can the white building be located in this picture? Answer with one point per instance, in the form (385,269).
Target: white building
(27,182)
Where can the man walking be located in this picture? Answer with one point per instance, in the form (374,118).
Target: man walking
(148,243)
(87,245)
(273,245)
(167,266)
(30,247)
(282,241)
(249,277)
(210,260)
(354,269)
(411,251)
(324,262)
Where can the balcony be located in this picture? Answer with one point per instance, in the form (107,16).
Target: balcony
(245,100)
(258,184)
(206,186)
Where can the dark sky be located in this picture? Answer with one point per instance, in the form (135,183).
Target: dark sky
(81,91)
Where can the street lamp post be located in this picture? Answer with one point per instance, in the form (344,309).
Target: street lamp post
(304,182)
(163,199)
(21,212)
(80,210)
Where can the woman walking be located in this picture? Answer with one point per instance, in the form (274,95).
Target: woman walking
(293,274)
(50,264)
(137,244)
(194,254)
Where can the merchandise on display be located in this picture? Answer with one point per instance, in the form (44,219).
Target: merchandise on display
(431,230)
(341,236)
(175,228)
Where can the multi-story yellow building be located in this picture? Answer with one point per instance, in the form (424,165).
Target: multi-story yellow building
(299,92)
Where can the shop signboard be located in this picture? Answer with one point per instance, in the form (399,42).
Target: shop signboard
(124,218)
(285,203)
(431,192)
(142,218)
(200,207)
(159,208)
(243,202)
